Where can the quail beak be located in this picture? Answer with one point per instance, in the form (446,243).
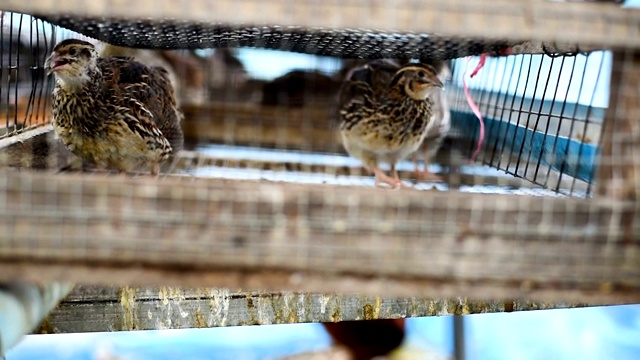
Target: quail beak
(434,82)
(52,63)
(48,63)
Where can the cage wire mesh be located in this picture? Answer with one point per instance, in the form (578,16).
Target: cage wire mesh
(543,115)
(217,205)
(297,111)
(25,92)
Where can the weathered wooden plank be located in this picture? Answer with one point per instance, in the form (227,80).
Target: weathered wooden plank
(619,172)
(91,308)
(180,224)
(620,167)
(598,24)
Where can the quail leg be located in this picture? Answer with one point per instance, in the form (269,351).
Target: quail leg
(425,175)
(155,169)
(396,177)
(382,178)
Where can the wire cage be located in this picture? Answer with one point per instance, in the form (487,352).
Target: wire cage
(264,196)
(309,99)
(24,90)
(542,119)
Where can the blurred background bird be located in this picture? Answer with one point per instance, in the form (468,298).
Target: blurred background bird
(385,111)
(437,129)
(114,112)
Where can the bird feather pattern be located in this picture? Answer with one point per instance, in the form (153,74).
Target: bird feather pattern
(113,112)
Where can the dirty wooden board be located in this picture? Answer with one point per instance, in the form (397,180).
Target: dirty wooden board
(90,308)
(174,226)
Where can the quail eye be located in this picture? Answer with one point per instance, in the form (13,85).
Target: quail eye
(73,52)
(421,74)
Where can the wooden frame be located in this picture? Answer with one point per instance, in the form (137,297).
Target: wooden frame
(585,24)
(149,308)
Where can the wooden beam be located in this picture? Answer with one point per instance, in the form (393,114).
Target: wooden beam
(581,23)
(92,308)
(619,169)
(177,225)
(619,176)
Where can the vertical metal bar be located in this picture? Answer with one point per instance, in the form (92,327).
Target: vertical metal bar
(459,346)
(587,122)
(501,117)
(16,127)
(539,115)
(562,117)
(572,119)
(519,113)
(8,76)
(529,112)
(508,121)
(553,103)
(492,104)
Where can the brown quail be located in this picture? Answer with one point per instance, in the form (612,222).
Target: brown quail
(114,112)
(385,110)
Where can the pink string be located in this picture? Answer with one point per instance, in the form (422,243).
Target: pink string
(472,104)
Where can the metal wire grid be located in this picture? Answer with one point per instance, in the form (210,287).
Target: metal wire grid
(533,130)
(519,19)
(24,89)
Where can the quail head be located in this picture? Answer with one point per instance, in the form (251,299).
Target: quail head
(114,112)
(385,110)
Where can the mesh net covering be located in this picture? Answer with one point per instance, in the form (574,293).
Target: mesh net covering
(348,43)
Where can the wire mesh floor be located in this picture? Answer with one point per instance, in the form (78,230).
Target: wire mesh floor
(246,163)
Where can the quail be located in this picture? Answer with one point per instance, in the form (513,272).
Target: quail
(114,112)
(385,110)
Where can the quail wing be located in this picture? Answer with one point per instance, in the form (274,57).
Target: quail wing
(152,88)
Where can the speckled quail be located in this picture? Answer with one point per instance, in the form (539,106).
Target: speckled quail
(385,110)
(114,112)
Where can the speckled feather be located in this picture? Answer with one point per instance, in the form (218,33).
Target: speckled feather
(105,117)
(151,87)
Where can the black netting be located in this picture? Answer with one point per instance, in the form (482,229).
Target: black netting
(344,43)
